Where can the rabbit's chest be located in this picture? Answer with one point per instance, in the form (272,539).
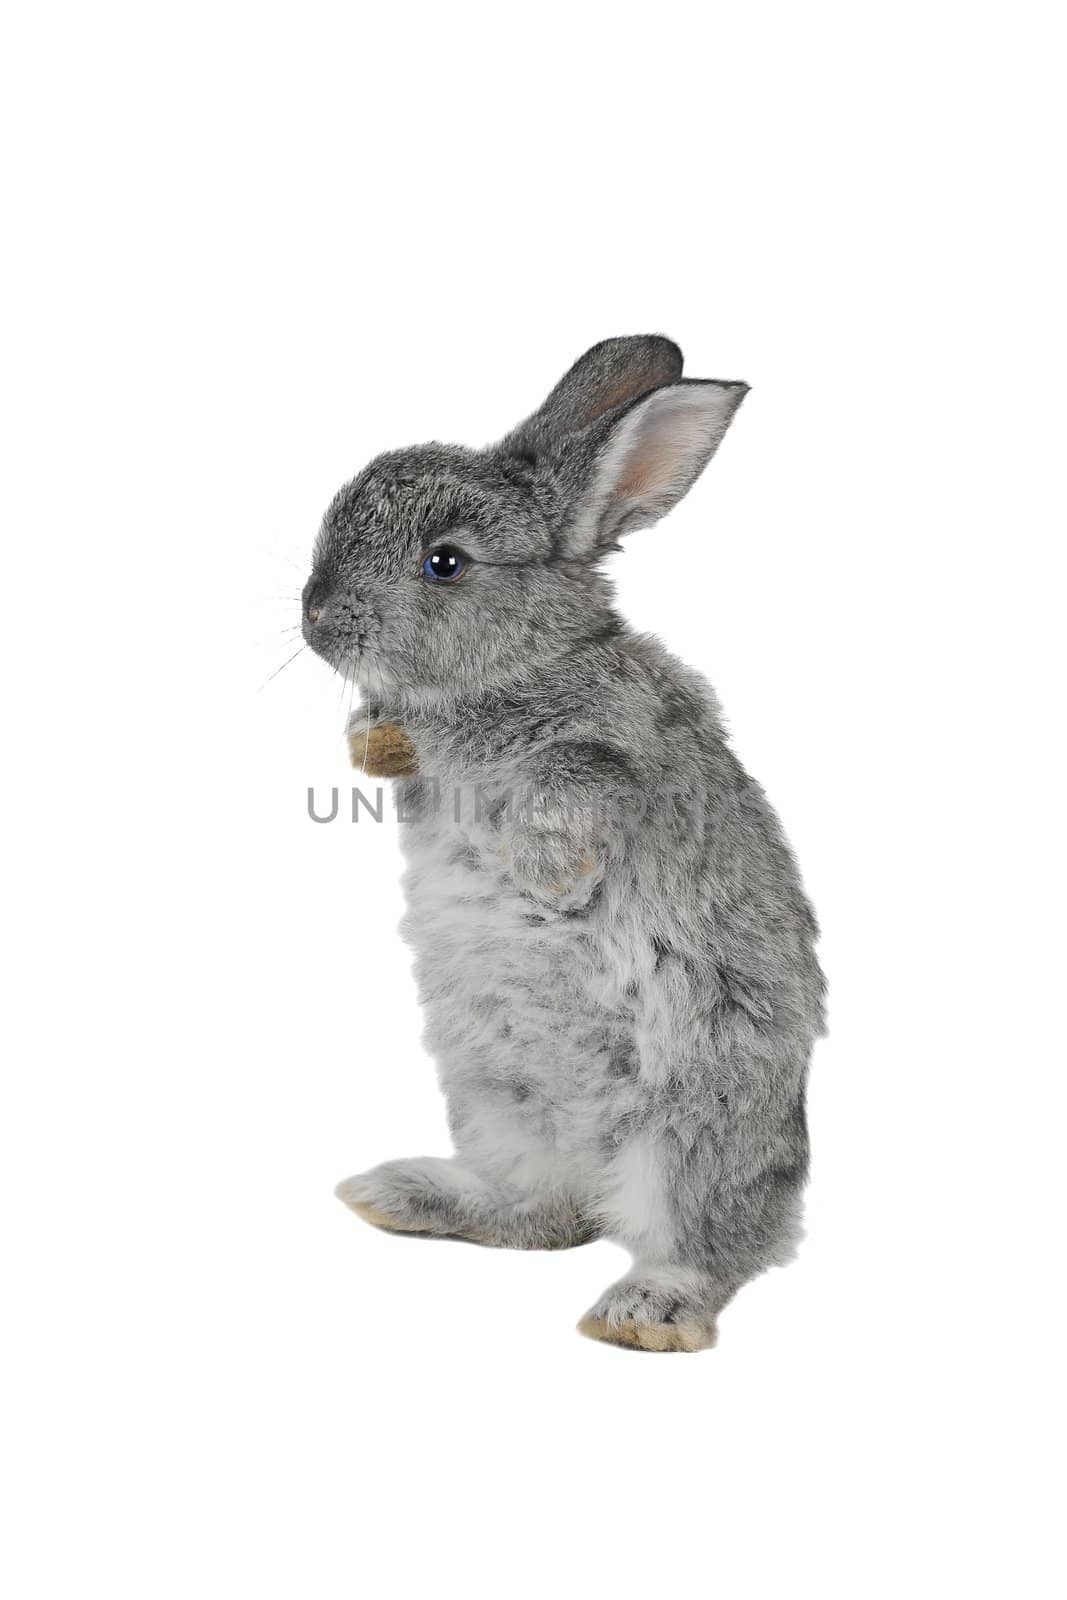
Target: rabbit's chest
(473,931)
(457,886)
(517,1001)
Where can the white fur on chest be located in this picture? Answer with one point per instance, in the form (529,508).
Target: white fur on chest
(514,994)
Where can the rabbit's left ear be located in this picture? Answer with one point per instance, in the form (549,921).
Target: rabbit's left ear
(639,465)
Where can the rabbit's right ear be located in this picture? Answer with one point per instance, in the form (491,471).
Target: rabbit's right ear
(613,373)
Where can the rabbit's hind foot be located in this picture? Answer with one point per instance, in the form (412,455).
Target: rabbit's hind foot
(442,1199)
(378,1218)
(426,1196)
(649,1311)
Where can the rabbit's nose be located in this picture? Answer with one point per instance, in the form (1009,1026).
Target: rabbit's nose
(314,598)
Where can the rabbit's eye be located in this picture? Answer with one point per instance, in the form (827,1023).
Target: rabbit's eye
(444,564)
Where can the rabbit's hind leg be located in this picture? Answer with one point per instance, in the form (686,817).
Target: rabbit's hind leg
(665,1302)
(444,1199)
(701,1217)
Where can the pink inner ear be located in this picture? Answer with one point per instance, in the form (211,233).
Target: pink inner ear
(655,456)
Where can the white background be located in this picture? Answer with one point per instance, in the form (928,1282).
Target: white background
(248,247)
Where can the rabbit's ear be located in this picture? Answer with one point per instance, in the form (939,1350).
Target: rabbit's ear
(639,465)
(613,373)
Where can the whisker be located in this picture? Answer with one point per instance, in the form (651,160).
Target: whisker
(366,742)
(381,683)
(351,694)
(290,561)
(282,668)
(272,639)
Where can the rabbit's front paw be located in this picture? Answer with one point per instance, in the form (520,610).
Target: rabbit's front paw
(553,868)
(382,751)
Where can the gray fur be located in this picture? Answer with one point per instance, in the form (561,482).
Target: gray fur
(612,945)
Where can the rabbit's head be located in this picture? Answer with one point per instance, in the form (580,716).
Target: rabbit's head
(448,571)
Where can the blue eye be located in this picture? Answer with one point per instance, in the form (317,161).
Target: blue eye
(444,564)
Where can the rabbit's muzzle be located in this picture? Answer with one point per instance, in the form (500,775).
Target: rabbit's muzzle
(337,626)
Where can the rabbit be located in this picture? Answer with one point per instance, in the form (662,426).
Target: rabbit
(611,942)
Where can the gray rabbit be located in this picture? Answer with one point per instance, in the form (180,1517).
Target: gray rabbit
(612,945)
